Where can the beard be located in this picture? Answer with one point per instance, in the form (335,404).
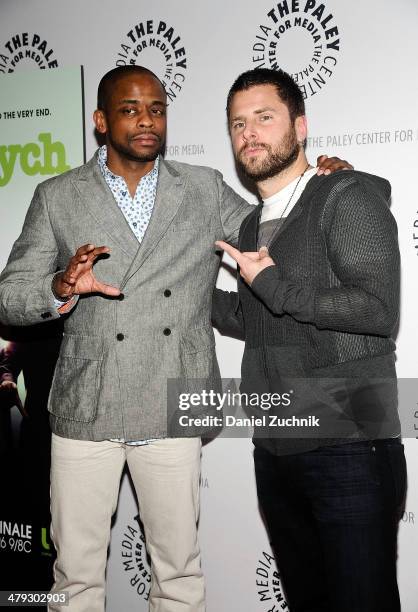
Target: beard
(276,160)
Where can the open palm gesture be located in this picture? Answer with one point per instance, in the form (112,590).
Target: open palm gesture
(78,277)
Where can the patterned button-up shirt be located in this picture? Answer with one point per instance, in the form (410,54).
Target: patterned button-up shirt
(137,211)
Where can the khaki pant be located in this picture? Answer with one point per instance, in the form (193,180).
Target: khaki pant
(85,480)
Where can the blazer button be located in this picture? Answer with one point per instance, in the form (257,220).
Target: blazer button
(167,331)
(167,293)
(46,315)
(120,337)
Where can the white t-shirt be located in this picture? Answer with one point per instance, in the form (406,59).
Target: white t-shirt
(277,207)
(274,206)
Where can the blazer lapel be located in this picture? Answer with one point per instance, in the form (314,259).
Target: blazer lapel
(170,192)
(101,204)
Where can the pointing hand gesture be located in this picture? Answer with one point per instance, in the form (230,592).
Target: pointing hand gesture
(78,277)
(250,263)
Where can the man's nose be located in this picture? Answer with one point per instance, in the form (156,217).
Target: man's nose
(249,132)
(145,119)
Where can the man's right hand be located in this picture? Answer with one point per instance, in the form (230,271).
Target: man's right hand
(78,277)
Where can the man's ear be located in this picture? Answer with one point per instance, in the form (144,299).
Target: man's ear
(301,128)
(100,122)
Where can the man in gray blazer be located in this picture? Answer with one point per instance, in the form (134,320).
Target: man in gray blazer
(143,317)
(137,314)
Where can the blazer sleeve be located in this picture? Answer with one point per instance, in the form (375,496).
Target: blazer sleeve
(232,210)
(362,248)
(25,283)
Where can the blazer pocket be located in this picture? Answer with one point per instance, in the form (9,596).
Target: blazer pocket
(198,353)
(183,226)
(76,383)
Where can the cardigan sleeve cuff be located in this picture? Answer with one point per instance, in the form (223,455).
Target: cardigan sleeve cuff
(285,297)
(267,286)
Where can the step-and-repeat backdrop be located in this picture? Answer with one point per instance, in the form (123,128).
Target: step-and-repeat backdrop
(41,135)
(356,65)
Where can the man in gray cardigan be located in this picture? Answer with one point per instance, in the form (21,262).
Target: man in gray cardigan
(317,303)
(141,316)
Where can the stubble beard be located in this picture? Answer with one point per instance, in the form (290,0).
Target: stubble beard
(128,153)
(274,162)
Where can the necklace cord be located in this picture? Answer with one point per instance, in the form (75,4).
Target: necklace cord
(276,227)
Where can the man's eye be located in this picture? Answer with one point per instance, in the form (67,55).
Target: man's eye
(238,125)
(128,111)
(265,117)
(158,111)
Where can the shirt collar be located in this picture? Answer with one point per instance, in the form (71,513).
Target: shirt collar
(283,195)
(102,161)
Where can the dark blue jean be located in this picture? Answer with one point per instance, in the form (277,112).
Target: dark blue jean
(332,516)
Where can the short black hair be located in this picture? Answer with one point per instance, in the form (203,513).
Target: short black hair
(110,78)
(287,90)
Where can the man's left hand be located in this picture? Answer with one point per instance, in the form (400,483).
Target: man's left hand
(328,165)
(250,263)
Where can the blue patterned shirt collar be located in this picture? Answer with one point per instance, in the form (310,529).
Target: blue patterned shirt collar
(137,210)
(102,161)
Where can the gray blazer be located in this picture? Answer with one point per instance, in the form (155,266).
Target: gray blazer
(117,354)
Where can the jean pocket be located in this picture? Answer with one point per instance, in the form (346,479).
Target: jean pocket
(356,462)
(397,462)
